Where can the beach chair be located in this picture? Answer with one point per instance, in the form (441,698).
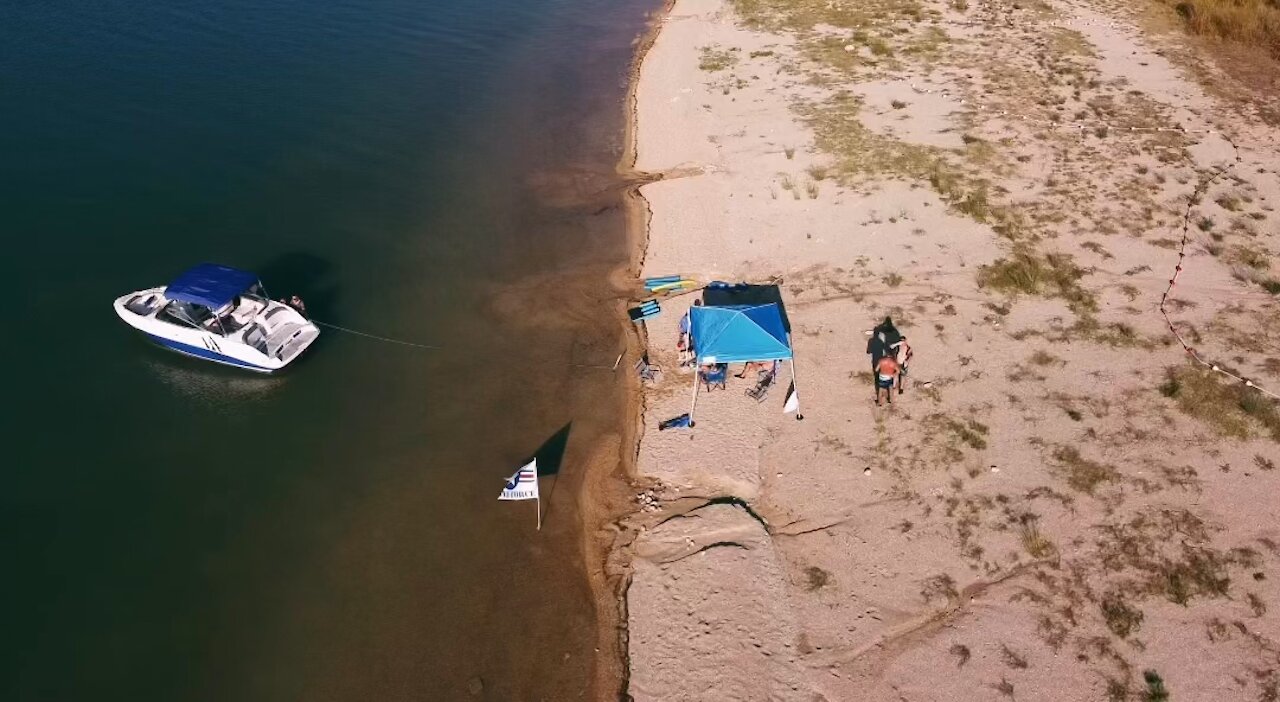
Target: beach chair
(648,372)
(717,376)
(765,381)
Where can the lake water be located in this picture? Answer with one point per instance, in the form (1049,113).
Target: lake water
(432,170)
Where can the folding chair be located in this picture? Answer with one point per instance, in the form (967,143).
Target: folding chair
(718,376)
(648,372)
(761,389)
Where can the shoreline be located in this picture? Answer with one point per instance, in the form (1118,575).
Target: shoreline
(605,495)
(613,555)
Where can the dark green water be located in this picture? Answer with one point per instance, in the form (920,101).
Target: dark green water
(174,530)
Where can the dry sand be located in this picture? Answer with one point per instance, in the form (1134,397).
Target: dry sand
(1034,519)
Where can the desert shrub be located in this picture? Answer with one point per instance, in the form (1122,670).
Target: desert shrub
(816,578)
(1230,408)
(1048,275)
(1122,619)
(1081,473)
(1251,22)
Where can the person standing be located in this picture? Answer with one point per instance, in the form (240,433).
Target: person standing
(888,333)
(902,354)
(684,344)
(886,375)
(876,349)
(883,337)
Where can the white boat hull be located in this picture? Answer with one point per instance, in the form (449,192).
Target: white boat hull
(283,333)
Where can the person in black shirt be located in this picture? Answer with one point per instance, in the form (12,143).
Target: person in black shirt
(883,337)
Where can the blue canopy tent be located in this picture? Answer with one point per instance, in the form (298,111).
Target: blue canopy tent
(739,334)
(210,285)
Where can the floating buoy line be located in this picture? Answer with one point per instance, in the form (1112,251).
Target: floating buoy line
(376,337)
(431,347)
(670,286)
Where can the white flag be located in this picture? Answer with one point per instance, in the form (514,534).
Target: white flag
(523,485)
(793,402)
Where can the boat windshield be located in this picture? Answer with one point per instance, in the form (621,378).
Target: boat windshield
(187,313)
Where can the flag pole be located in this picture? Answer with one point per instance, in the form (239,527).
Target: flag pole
(697,378)
(795,388)
(537,503)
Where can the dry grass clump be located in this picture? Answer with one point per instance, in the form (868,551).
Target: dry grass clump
(941,586)
(1012,658)
(711,59)
(1082,474)
(1048,275)
(1114,334)
(971,432)
(804,14)
(1249,256)
(1035,542)
(1201,572)
(1043,358)
(1155,691)
(816,578)
(858,153)
(968,196)
(1252,22)
(1168,554)
(1231,409)
(1122,619)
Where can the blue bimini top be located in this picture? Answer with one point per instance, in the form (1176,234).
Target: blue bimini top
(210,285)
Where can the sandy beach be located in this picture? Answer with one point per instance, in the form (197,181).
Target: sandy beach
(1064,504)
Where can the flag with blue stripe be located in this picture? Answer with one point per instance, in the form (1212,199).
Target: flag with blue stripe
(523,485)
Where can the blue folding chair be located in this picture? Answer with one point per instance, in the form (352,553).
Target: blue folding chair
(717,376)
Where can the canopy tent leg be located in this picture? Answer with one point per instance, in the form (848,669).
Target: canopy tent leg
(796,388)
(697,373)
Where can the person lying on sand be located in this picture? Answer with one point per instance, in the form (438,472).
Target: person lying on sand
(886,374)
(757,366)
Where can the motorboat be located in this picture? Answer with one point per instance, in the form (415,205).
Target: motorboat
(220,314)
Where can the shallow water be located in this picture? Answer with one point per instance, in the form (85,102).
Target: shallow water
(426,169)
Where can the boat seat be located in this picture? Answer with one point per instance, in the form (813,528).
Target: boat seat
(140,305)
(256,337)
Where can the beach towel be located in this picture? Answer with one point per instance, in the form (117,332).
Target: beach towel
(680,422)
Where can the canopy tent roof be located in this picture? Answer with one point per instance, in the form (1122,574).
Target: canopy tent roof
(210,284)
(736,333)
(721,294)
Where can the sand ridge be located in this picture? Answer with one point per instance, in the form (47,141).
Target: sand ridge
(1060,507)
